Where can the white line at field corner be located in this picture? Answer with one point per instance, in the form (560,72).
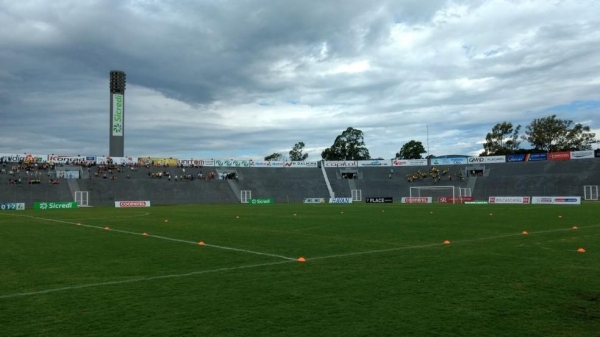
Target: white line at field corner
(441,243)
(139,279)
(164,238)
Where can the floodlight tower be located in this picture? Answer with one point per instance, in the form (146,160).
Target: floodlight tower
(117,114)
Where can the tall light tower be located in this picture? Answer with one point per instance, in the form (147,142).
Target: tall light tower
(117,114)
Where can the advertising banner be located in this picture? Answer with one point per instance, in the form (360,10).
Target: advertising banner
(54,205)
(476,202)
(117,160)
(314,200)
(556,200)
(449,161)
(70,159)
(117,120)
(128,204)
(12,206)
(340,200)
(513,158)
(417,200)
(261,201)
(196,162)
(486,160)
(536,157)
(261,163)
(597,153)
(582,154)
(29,158)
(340,163)
(233,163)
(157,161)
(509,200)
(559,155)
(453,200)
(409,162)
(379,200)
(301,164)
(375,163)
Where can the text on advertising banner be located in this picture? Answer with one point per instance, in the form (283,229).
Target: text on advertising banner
(54,205)
(11,206)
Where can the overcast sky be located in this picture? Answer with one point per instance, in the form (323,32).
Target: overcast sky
(243,79)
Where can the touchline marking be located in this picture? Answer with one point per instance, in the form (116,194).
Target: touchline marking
(139,279)
(440,244)
(164,238)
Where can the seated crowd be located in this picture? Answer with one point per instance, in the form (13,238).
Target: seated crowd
(435,174)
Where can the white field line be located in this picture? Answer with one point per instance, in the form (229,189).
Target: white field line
(442,244)
(139,279)
(164,238)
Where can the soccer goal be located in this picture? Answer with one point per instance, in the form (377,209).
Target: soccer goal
(82,198)
(245,195)
(443,194)
(356,195)
(590,192)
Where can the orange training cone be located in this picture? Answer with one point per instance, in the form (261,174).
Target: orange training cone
(166,220)
(524,233)
(145,234)
(106,228)
(560,216)
(78,224)
(575,227)
(201,243)
(301,259)
(581,250)
(447,242)
(237,216)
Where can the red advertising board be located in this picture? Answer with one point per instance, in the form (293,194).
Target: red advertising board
(453,200)
(559,155)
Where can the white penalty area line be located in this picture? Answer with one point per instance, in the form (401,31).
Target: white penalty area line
(139,279)
(164,238)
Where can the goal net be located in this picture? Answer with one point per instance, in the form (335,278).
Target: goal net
(442,194)
(82,198)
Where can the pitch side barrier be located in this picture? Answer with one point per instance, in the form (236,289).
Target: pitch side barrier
(174,161)
(543,200)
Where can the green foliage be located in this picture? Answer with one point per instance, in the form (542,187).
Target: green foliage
(296,153)
(275,157)
(350,145)
(551,134)
(504,139)
(411,150)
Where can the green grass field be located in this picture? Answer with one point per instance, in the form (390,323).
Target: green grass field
(370,270)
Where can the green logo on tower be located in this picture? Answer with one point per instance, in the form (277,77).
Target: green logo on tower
(117,122)
(54,205)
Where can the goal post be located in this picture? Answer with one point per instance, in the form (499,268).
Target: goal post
(82,198)
(590,192)
(435,192)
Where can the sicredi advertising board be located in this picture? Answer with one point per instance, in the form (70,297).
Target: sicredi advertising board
(570,200)
(509,200)
(117,121)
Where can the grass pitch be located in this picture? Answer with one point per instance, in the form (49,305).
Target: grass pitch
(370,270)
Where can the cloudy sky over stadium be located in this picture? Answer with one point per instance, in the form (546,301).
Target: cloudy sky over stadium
(244,79)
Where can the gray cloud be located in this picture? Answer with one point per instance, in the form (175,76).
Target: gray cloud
(253,77)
